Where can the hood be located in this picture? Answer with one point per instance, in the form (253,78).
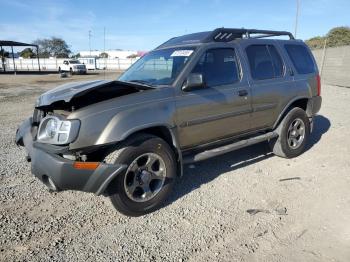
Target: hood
(88,92)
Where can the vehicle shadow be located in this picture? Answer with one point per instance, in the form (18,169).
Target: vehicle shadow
(206,171)
(321,126)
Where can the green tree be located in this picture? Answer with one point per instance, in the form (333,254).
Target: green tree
(104,55)
(132,56)
(76,56)
(337,36)
(316,42)
(27,53)
(4,54)
(53,46)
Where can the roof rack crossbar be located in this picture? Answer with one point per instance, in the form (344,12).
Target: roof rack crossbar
(229,34)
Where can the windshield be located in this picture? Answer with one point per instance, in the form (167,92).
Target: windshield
(74,62)
(159,67)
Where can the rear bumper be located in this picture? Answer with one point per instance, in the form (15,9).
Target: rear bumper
(59,173)
(314,107)
(316,102)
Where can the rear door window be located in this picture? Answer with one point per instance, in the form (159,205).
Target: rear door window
(276,61)
(218,67)
(264,62)
(301,59)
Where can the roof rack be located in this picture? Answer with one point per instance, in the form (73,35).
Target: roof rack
(230,34)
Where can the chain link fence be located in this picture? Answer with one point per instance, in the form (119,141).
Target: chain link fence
(52,64)
(333,64)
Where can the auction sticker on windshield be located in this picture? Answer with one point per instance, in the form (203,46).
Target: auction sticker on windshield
(182,53)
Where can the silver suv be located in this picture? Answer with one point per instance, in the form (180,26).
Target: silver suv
(194,97)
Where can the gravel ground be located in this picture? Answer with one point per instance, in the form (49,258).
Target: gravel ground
(303,218)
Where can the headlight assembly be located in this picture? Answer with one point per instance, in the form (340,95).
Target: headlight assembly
(56,131)
(51,128)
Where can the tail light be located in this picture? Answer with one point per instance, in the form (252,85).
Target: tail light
(318,79)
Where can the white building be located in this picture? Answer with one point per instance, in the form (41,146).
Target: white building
(111,53)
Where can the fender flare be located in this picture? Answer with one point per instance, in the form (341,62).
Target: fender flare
(286,108)
(174,139)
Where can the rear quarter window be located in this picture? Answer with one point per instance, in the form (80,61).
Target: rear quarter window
(300,58)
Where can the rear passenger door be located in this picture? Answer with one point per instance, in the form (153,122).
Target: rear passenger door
(270,79)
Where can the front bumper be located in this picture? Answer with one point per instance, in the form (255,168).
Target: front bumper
(59,173)
(79,71)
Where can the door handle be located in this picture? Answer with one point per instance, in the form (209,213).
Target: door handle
(242,92)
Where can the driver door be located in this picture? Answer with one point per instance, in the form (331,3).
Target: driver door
(219,110)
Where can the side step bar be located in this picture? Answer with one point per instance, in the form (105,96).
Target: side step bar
(228,148)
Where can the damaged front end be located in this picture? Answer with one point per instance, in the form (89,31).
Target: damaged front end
(59,173)
(72,96)
(48,133)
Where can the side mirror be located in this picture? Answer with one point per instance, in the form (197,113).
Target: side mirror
(194,81)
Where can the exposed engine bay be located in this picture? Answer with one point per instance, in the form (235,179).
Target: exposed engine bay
(65,99)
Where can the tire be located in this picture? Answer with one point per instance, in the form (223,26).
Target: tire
(291,140)
(71,71)
(59,70)
(126,192)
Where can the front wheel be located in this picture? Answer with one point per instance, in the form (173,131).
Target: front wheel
(149,177)
(293,134)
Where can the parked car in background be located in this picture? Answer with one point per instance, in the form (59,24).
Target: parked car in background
(194,97)
(72,66)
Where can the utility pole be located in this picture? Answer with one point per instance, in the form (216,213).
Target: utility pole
(2,59)
(104,39)
(296,19)
(323,55)
(104,51)
(90,41)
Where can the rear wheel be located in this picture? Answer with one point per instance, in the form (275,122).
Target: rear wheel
(293,134)
(59,70)
(149,177)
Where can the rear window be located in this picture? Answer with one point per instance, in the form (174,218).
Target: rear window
(301,59)
(264,62)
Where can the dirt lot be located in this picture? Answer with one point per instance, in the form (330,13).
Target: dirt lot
(305,218)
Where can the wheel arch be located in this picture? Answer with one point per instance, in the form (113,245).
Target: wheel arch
(301,102)
(167,133)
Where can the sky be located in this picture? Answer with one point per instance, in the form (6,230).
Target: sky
(143,25)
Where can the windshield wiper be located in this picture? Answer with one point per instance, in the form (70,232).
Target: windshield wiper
(142,82)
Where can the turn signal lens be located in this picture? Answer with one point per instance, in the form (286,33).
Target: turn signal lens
(86,165)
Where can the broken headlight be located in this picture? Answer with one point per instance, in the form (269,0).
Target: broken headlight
(57,131)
